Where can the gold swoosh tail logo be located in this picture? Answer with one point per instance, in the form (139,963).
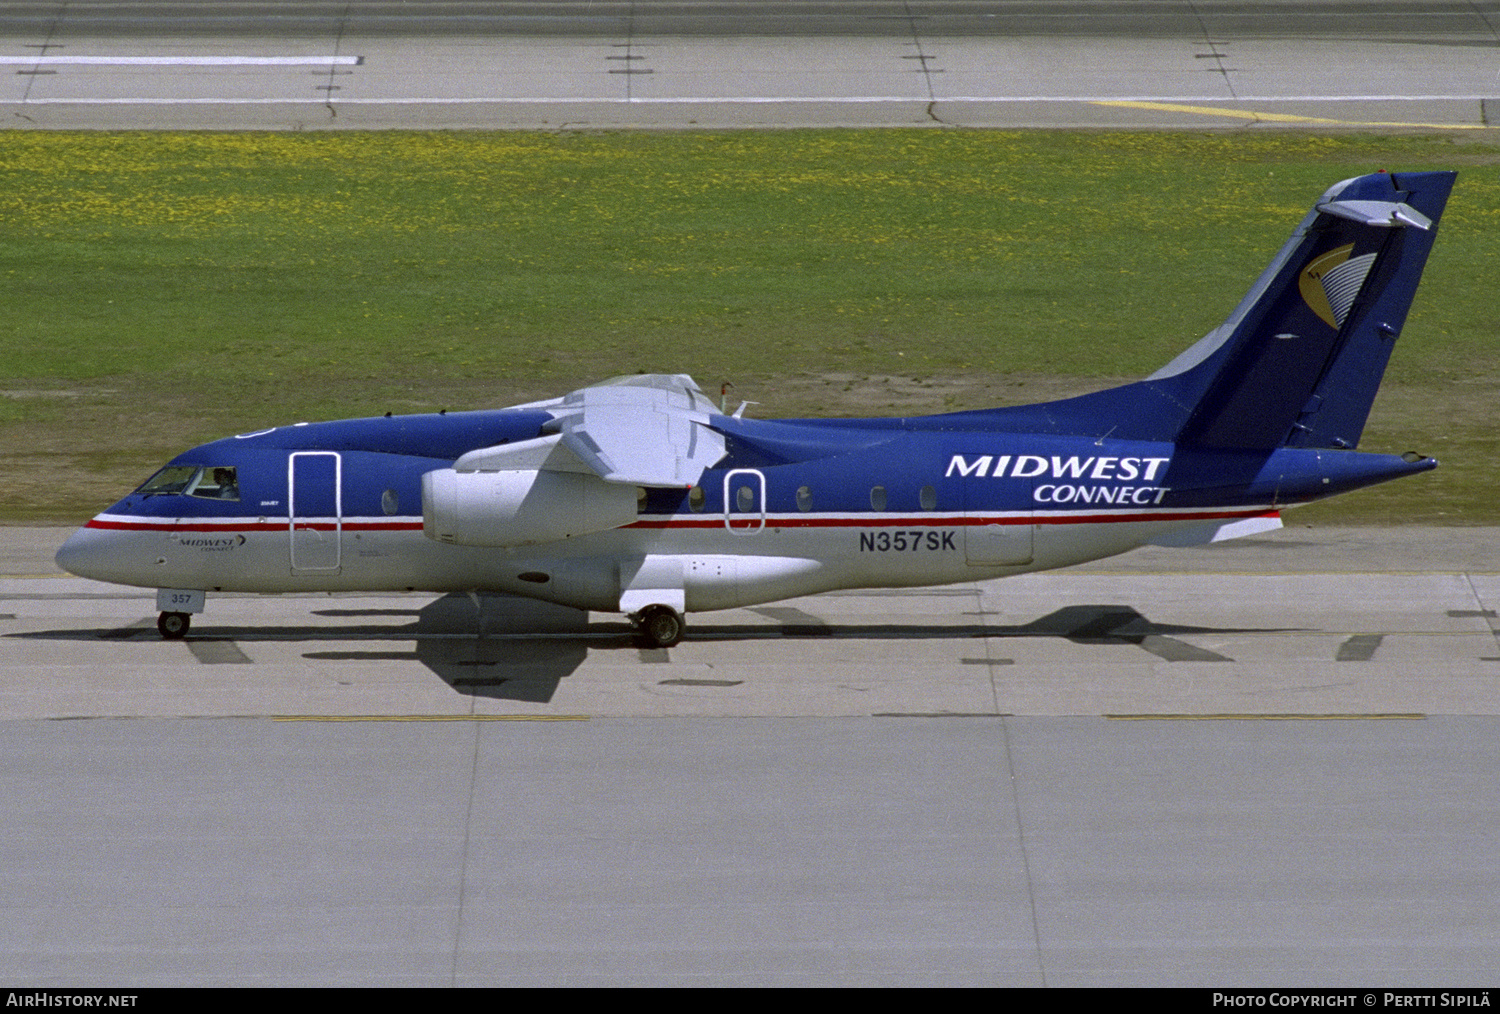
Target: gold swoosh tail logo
(1330,284)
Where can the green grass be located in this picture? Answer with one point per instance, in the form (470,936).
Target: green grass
(163,289)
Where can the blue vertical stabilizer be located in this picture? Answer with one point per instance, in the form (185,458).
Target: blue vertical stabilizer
(1299,360)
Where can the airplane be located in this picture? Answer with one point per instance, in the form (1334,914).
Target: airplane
(641,496)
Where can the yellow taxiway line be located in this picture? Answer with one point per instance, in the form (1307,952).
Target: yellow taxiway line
(1260,117)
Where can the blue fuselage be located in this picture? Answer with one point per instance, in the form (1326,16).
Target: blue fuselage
(795,507)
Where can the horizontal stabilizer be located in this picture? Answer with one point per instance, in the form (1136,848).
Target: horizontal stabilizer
(1381,214)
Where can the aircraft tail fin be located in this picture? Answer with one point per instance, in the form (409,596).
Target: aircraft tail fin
(1299,360)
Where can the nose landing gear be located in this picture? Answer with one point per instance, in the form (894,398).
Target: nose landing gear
(174,626)
(177,606)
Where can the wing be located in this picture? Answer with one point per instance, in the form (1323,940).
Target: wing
(646,430)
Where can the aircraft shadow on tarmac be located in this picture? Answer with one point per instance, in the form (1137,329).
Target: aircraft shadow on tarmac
(517,649)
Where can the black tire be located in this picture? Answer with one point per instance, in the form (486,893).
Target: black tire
(174,626)
(661,626)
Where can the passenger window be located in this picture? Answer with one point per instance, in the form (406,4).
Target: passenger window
(929,498)
(745,497)
(877,498)
(389,502)
(697,498)
(804,498)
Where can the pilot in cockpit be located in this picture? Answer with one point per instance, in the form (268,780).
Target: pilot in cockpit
(229,488)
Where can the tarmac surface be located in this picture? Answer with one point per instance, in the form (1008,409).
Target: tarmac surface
(1328,64)
(1305,621)
(1267,763)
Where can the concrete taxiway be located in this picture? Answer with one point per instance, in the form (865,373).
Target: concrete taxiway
(1300,621)
(1318,63)
(1264,763)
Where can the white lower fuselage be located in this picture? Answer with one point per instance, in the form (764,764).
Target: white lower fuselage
(761,558)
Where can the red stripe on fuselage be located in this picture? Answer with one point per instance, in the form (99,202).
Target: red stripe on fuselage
(252,526)
(738,520)
(717,521)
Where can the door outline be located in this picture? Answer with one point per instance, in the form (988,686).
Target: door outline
(311,548)
(754,523)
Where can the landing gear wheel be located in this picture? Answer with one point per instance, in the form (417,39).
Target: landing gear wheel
(661,626)
(174,626)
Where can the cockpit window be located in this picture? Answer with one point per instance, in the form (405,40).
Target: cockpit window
(217,484)
(172,479)
(211,483)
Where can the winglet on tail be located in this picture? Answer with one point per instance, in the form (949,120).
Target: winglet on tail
(1299,361)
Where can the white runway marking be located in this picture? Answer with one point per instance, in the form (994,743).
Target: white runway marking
(182,61)
(229,82)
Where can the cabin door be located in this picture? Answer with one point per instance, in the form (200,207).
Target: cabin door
(316,510)
(745,501)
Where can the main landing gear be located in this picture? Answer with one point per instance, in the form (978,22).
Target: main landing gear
(174,626)
(659,626)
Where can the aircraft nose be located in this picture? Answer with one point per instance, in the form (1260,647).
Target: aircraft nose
(85,554)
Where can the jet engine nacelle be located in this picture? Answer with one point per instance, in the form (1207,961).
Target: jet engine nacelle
(521,508)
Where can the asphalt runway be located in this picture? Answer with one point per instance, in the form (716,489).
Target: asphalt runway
(1327,64)
(1267,763)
